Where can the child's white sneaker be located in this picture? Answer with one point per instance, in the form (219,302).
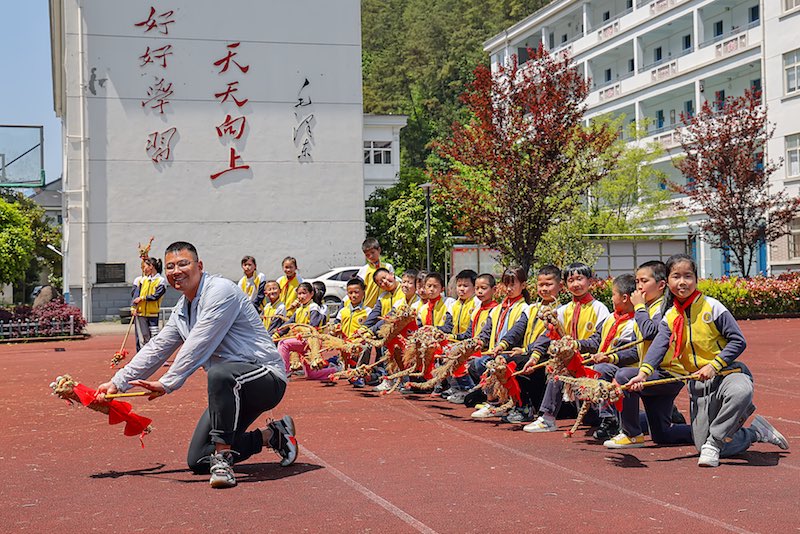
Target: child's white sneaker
(541,425)
(709,456)
(385,385)
(488,411)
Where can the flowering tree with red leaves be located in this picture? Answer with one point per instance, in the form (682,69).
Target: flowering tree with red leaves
(524,160)
(728,178)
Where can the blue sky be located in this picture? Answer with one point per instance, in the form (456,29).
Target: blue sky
(26,94)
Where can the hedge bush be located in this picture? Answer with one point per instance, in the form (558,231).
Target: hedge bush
(755,297)
(54,311)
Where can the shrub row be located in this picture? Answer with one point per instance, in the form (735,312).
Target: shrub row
(51,318)
(746,298)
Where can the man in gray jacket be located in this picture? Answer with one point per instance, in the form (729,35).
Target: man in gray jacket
(217,328)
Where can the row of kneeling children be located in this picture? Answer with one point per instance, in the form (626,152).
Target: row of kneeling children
(679,332)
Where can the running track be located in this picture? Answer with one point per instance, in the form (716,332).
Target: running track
(379,464)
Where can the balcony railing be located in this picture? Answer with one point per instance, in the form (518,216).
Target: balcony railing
(620,77)
(566,43)
(612,19)
(658,6)
(734,31)
(668,58)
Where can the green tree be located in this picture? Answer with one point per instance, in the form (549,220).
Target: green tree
(44,233)
(16,243)
(408,231)
(419,55)
(564,242)
(630,197)
(396,216)
(524,159)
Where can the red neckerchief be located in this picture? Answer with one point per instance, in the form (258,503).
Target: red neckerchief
(431,305)
(477,318)
(285,288)
(507,305)
(576,312)
(680,323)
(619,318)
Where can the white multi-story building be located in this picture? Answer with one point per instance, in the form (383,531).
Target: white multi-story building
(656,59)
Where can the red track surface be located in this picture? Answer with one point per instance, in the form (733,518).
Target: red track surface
(378,464)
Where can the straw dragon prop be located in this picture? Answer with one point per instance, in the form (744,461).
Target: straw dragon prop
(65,387)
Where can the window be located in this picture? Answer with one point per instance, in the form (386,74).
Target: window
(660,118)
(552,39)
(718,28)
(687,42)
(755,86)
(377,152)
(789,5)
(522,55)
(110,273)
(754,14)
(629,4)
(630,65)
(606,15)
(607,75)
(688,108)
(791,69)
(564,38)
(794,239)
(657,53)
(793,157)
(719,100)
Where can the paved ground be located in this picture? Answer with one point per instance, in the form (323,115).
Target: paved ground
(378,464)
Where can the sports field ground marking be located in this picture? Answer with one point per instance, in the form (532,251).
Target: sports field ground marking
(371,495)
(787,420)
(771,390)
(574,473)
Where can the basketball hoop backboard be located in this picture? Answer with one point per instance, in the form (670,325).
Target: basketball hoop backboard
(21,156)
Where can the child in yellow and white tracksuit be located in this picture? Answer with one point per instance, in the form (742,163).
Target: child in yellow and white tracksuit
(703,335)
(274,309)
(372,253)
(659,401)
(148,291)
(581,318)
(253,283)
(289,282)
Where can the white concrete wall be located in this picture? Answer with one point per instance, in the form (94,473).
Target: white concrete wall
(780,36)
(382,128)
(280,206)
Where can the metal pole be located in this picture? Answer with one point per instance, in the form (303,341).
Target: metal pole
(428,228)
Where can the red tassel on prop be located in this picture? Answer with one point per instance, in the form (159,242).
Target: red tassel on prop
(119,412)
(578,370)
(552,333)
(461,370)
(400,339)
(511,383)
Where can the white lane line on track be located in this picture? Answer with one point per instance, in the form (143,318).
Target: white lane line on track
(772,390)
(787,420)
(574,473)
(371,495)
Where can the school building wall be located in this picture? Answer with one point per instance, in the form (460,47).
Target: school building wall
(131,171)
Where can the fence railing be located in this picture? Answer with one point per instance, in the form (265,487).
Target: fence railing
(34,329)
